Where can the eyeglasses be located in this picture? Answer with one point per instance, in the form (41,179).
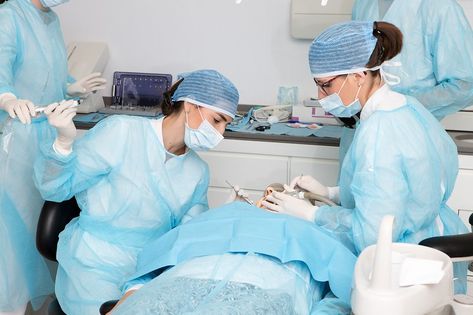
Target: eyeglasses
(325,84)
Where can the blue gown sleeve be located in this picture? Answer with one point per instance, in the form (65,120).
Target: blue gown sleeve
(378,188)
(201,203)
(8,51)
(59,177)
(451,40)
(70,79)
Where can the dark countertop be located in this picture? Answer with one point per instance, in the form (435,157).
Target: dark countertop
(333,142)
(464,147)
(257,137)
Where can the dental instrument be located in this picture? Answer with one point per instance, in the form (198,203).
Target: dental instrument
(248,200)
(40,109)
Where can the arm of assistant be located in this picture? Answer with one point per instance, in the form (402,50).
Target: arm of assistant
(65,168)
(451,41)
(200,202)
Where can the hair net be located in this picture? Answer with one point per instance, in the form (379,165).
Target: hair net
(342,48)
(210,89)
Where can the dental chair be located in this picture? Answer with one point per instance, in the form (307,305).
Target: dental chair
(381,270)
(55,216)
(53,219)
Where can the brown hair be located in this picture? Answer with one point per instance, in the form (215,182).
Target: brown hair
(389,43)
(168,106)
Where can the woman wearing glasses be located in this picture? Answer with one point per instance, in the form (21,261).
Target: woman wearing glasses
(401,162)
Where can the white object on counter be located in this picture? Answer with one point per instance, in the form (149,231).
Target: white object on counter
(313,114)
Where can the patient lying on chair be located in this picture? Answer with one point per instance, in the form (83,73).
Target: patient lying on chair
(239,259)
(312,198)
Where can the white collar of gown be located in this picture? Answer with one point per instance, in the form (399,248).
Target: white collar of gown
(157,125)
(383,99)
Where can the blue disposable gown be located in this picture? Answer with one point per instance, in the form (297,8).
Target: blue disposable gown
(401,162)
(437,66)
(129,195)
(33,66)
(286,270)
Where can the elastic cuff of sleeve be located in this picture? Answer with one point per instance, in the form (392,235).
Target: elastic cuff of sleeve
(61,150)
(48,152)
(334,194)
(4,97)
(72,97)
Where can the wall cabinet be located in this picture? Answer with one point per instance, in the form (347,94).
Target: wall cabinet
(253,165)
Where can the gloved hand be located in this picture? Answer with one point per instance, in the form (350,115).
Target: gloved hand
(23,109)
(237,194)
(88,84)
(60,117)
(310,184)
(290,205)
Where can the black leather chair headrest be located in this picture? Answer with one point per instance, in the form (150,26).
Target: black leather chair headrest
(52,220)
(455,246)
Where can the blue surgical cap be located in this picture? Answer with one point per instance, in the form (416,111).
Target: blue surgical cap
(210,89)
(342,48)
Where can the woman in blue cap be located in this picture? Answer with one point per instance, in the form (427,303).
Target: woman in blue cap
(33,71)
(134,179)
(401,162)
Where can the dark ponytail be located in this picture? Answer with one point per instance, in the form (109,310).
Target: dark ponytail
(168,106)
(389,43)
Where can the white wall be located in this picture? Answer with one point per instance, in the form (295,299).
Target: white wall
(250,42)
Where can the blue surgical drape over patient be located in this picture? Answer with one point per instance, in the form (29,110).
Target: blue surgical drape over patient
(33,66)
(289,264)
(437,64)
(129,194)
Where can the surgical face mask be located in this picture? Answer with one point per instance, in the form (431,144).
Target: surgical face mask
(204,138)
(333,104)
(52,3)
